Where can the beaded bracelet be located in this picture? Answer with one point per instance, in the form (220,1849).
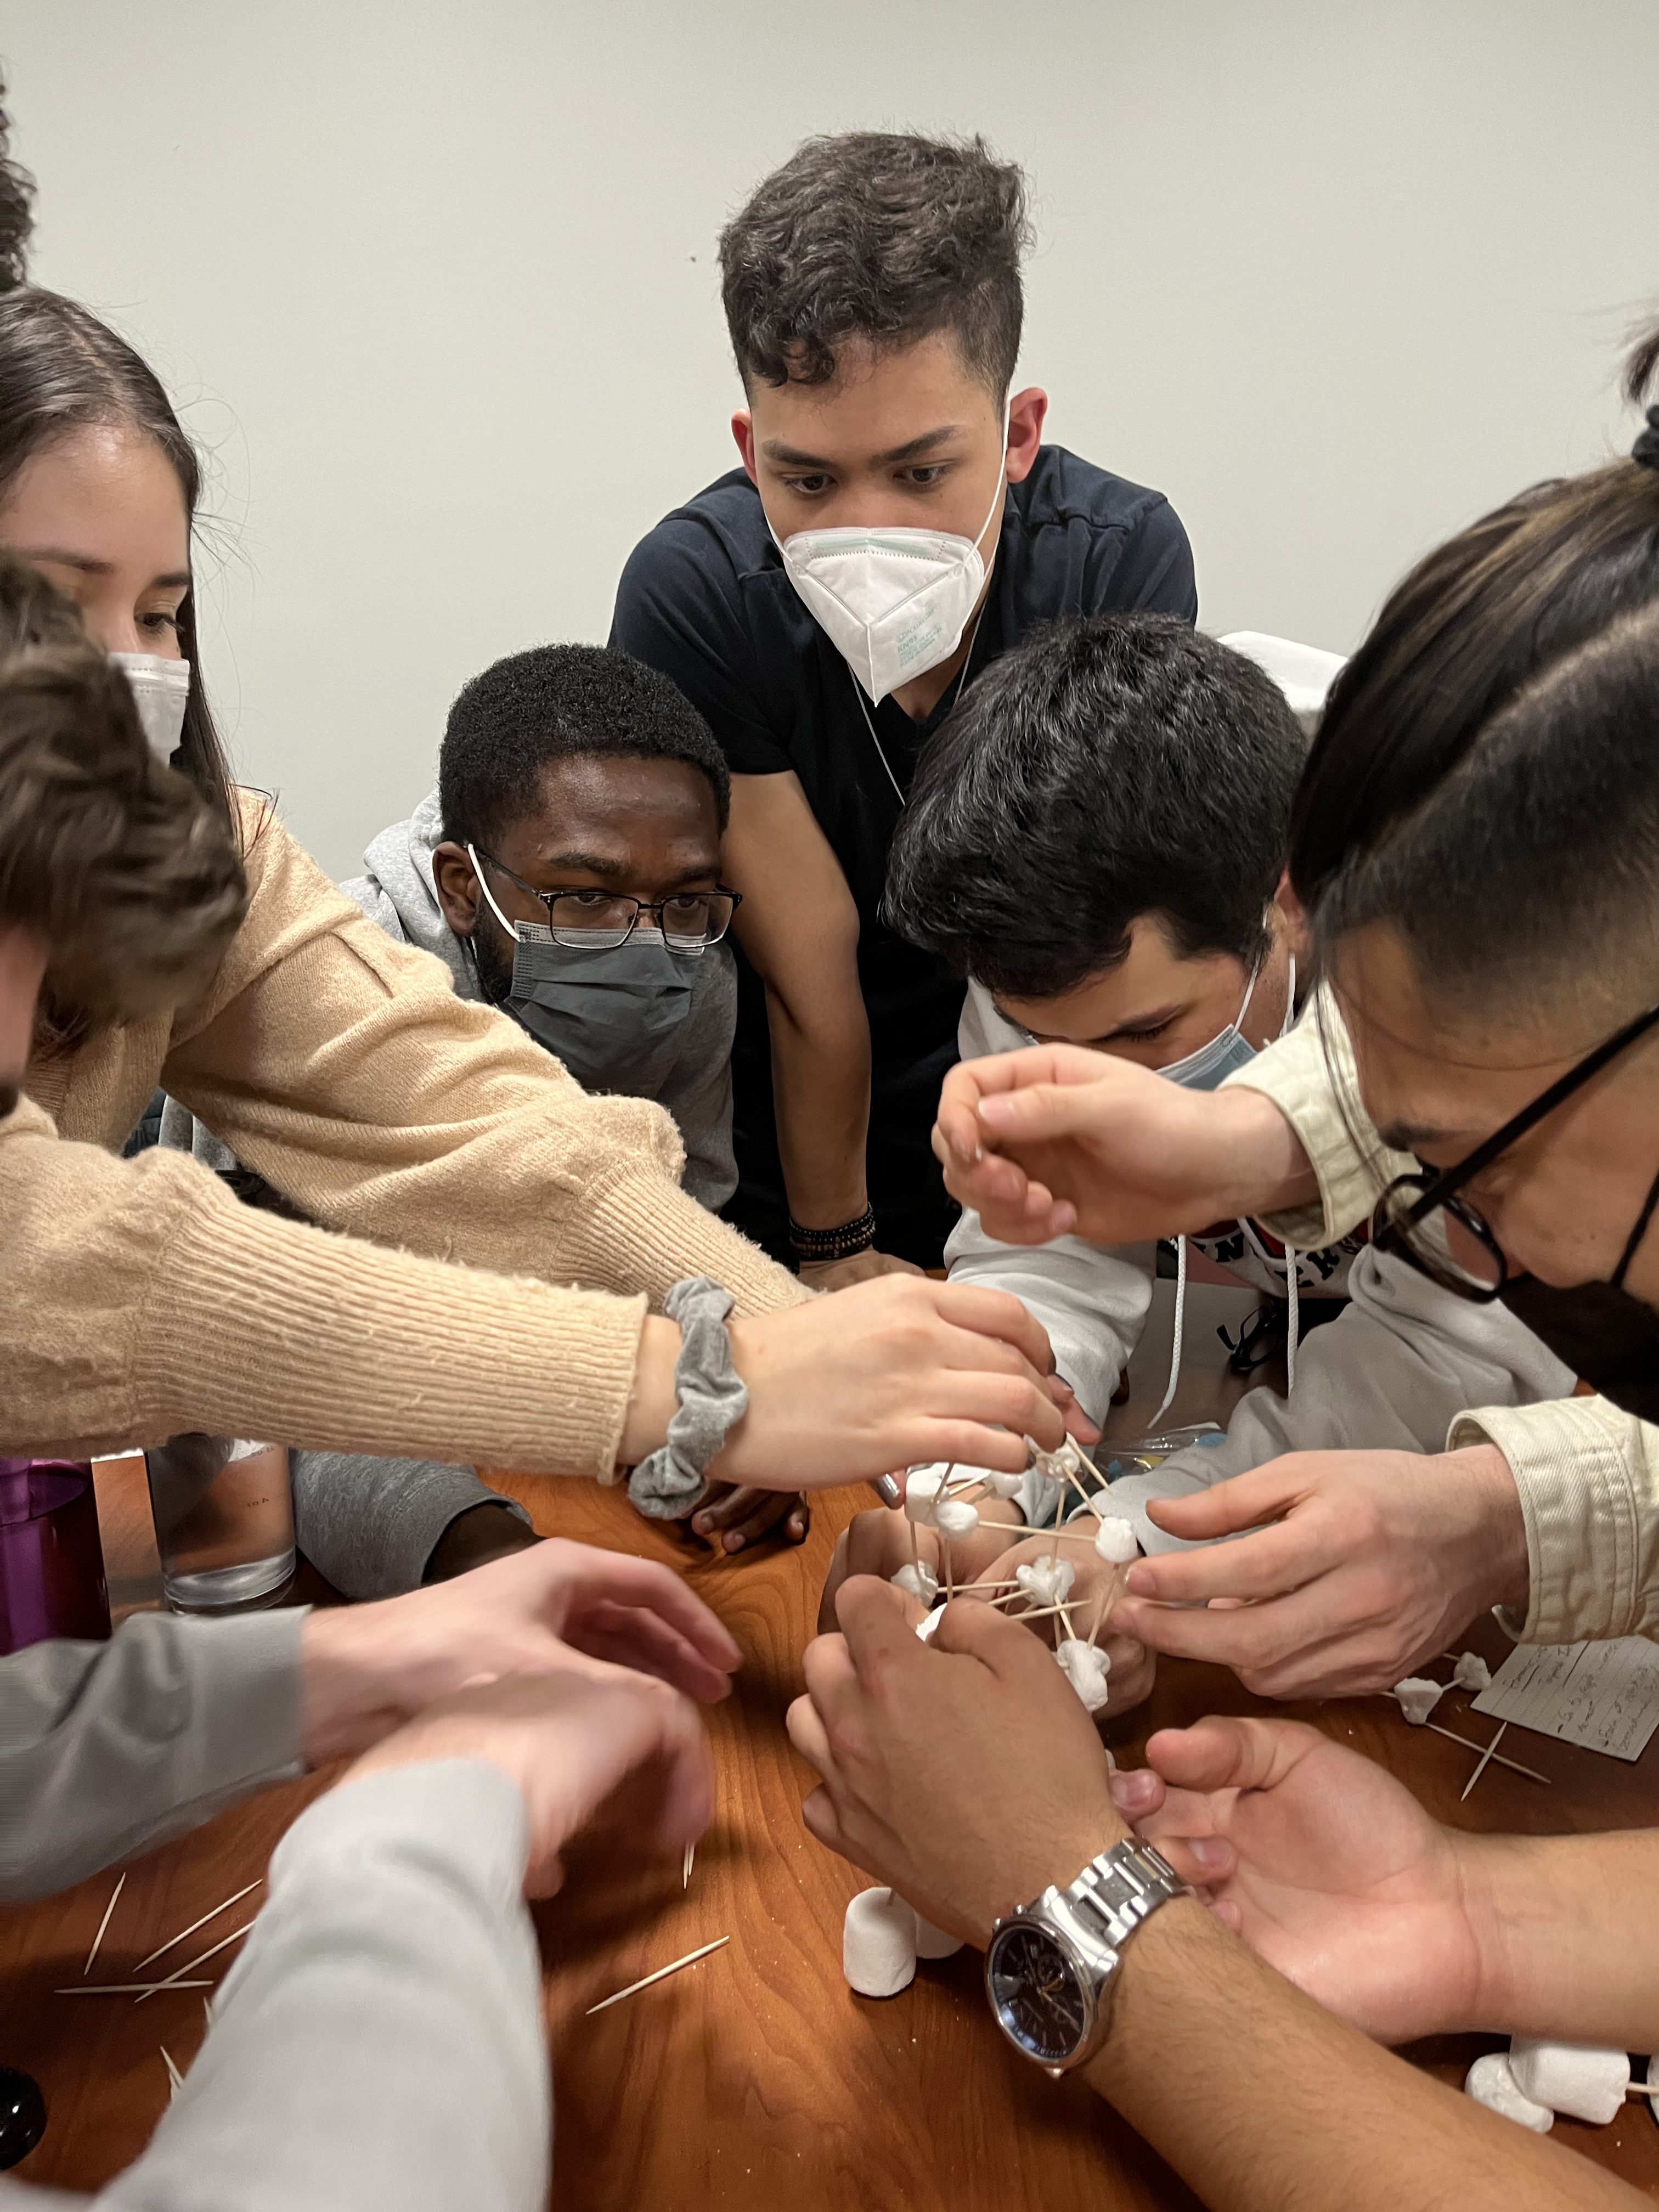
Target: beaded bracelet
(855,1236)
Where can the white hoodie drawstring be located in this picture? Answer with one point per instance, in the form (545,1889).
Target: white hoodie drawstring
(1180,1320)
(1293,1321)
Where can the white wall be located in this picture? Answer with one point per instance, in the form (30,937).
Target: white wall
(435,282)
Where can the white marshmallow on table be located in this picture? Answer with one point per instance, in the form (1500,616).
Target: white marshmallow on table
(932,1942)
(878,1944)
(954,1516)
(1086,1667)
(1115,1539)
(1570,2077)
(1047,1581)
(1418,1696)
(921,1490)
(1490,2083)
(917,1579)
(1472,1673)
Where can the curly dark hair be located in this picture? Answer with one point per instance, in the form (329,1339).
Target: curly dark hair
(16,208)
(548,703)
(119,864)
(879,235)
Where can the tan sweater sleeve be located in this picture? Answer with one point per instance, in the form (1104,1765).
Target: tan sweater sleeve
(1311,1078)
(344,1069)
(139,1298)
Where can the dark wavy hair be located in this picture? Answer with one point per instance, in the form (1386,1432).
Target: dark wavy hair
(1485,776)
(882,236)
(16,207)
(119,866)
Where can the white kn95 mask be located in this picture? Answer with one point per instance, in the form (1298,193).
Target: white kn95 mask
(160,692)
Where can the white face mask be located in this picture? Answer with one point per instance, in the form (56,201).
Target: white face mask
(1208,1067)
(893,603)
(160,692)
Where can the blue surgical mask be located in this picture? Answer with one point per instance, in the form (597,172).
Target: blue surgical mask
(609,1015)
(1208,1067)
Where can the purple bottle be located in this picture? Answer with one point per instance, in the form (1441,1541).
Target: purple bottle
(52,1560)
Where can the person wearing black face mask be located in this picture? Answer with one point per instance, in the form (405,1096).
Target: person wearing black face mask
(1475,846)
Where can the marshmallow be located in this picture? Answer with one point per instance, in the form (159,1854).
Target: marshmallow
(932,1942)
(878,1944)
(1570,2077)
(922,1490)
(1115,1539)
(954,1516)
(1046,1582)
(929,1622)
(1472,1673)
(1000,1485)
(1418,1698)
(917,1579)
(1490,2083)
(1086,1667)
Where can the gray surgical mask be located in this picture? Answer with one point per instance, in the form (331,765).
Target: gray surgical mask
(609,1015)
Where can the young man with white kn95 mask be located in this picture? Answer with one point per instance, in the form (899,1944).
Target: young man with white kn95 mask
(897,523)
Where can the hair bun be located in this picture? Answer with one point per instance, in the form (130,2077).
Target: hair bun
(1645,451)
(16,210)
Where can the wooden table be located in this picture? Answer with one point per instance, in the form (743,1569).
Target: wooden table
(755,2080)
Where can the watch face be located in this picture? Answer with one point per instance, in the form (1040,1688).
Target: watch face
(1037,1993)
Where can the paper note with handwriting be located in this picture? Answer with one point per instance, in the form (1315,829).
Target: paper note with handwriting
(1603,1696)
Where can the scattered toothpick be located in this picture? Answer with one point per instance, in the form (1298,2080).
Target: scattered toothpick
(1642,2089)
(1497,1757)
(125,1988)
(174,2075)
(195,1924)
(224,1943)
(685,1871)
(108,1910)
(690,1959)
(1485,1756)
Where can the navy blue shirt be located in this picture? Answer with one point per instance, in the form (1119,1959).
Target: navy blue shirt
(706,599)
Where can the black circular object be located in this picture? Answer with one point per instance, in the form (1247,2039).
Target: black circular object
(22,2115)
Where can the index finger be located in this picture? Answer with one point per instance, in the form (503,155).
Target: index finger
(1270,1564)
(645,1583)
(999,1314)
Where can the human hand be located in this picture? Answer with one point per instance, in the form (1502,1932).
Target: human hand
(880,1542)
(963,1771)
(365,1669)
(1373,1562)
(890,1374)
(1057,1139)
(1095,1583)
(734,1515)
(1326,1867)
(860,1267)
(575,1742)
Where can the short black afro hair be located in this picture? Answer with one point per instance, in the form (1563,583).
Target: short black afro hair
(549,703)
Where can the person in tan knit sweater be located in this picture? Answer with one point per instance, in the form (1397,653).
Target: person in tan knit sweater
(139,1298)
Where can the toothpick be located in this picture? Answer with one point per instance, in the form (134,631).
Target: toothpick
(1064,1615)
(690,1959)
(1499,1758)
(223,1944)
(174,2075)
(1642,2089)
(1485,1756)
(195,1924)
(685,1873)
(1038,1613)
(103,1923)
(125,1988)
(1107,1604)
(949,1567)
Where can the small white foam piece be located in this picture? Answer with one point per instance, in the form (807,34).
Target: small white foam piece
(1490,2083)
(878,1944)
(1046,1582)
(917,1579)
(926,1626)
(1115,1539)
(1418,1696)
(922,1490)
(1570,2077)
(1472,1672)
(955,1518)
(1000,1485)
(932,1942)
(1086,1667)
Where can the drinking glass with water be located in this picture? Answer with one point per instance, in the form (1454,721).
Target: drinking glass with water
(223,1508)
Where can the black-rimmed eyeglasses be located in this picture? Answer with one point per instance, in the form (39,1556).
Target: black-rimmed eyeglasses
(1416,1212)
(599,921)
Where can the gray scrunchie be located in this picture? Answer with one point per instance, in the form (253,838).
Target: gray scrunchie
(713,1396)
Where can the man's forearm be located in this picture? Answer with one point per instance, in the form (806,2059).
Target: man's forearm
(821,1090)
(1568,1929)
(1260,2099)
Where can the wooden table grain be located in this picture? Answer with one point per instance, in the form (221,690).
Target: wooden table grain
(754,2080)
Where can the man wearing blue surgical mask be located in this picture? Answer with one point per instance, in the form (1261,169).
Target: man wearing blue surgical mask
(897,525)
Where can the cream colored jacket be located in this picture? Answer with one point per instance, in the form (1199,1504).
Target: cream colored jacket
(1587,1475)
(138,1297)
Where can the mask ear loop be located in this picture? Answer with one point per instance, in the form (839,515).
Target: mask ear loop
(511,927)
(1637,1234)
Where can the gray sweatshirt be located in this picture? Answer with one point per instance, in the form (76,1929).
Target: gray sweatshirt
(399,893)
(378,2042)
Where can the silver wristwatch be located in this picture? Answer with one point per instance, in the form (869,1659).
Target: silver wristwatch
(1049,1966)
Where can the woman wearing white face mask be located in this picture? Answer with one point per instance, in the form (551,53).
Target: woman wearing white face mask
(139,1299)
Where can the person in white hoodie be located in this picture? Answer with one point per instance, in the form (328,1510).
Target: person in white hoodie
(1097,839)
